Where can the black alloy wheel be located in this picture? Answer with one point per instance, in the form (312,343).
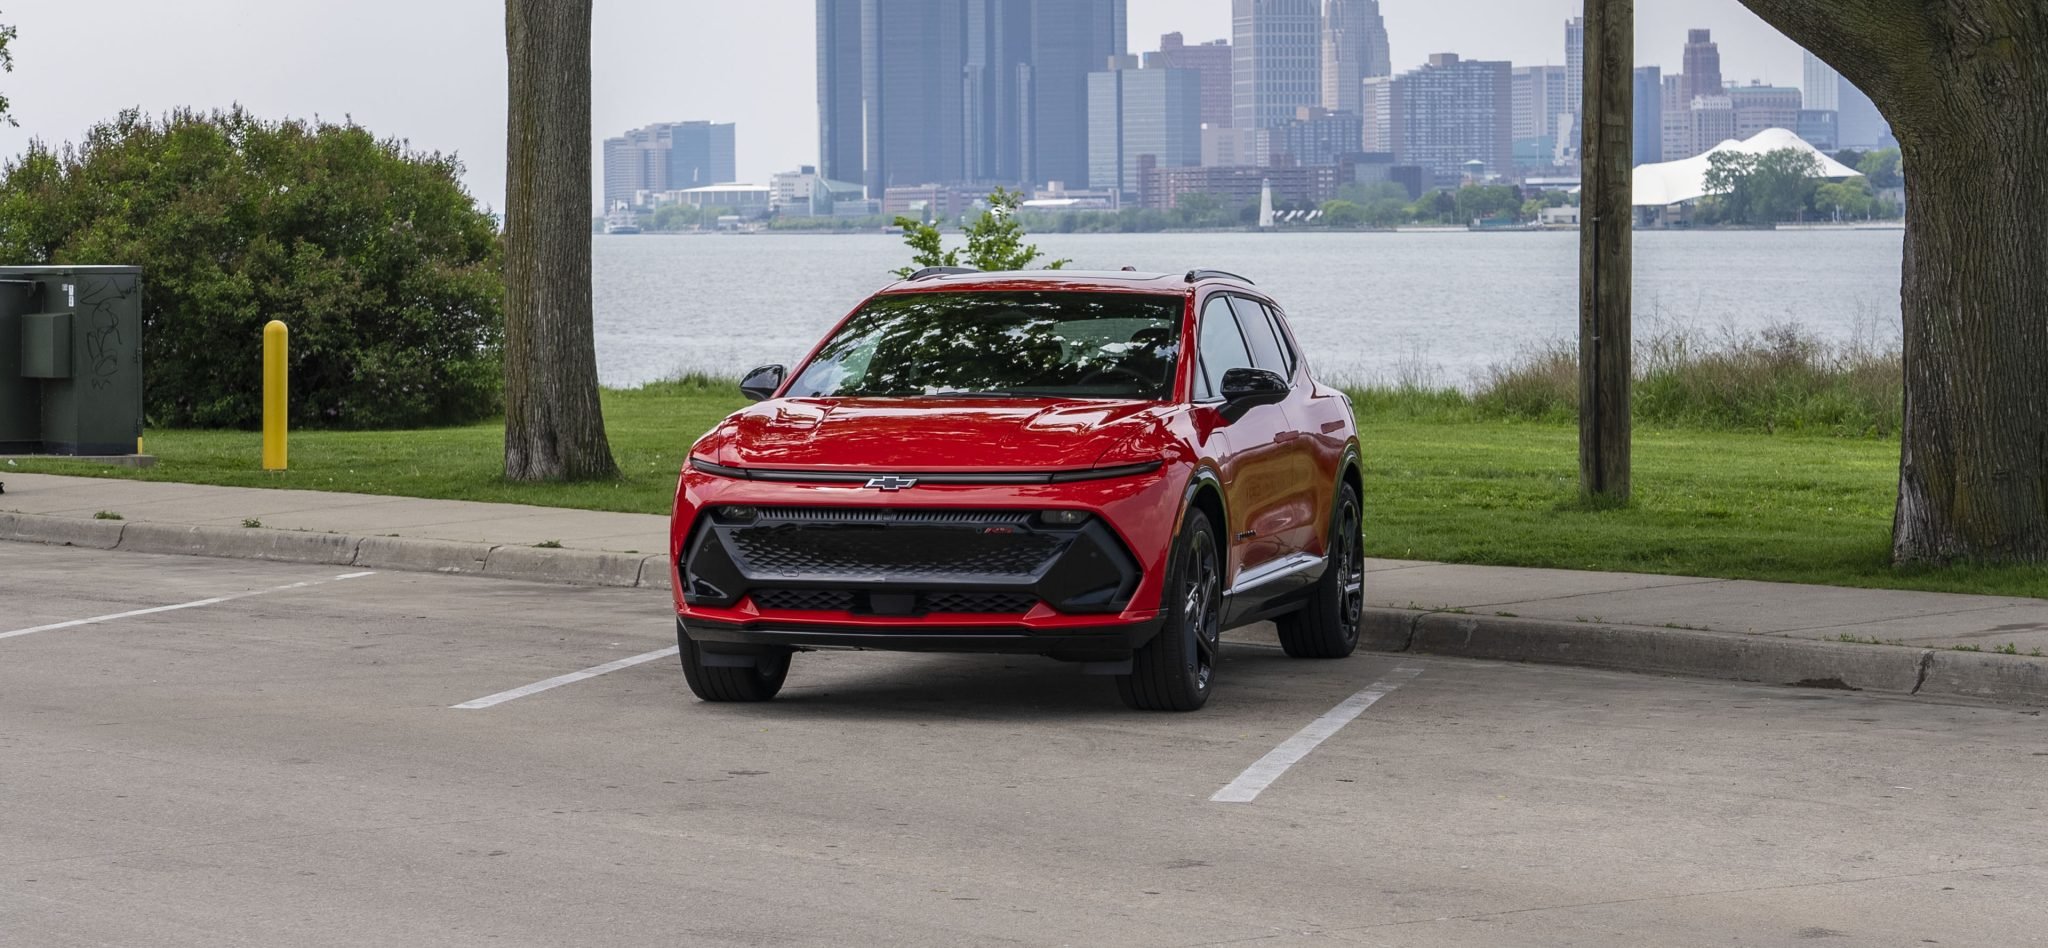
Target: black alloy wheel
(1327,626)
(1177,669)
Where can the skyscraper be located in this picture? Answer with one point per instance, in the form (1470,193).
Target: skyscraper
(1276,60)
(1069,40)
(1139,113)
(841,145)
(1649,124)
(1211,60)
(1820,90)
(1702,65)
(1861,125)
(1575,69)
(1453,111)
(914,92)
(1542,96)
(1354,50)
(700,154)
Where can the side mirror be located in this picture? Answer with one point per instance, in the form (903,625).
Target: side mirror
(760,384)
(1246,389)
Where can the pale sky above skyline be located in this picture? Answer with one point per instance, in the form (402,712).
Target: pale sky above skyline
(433,71)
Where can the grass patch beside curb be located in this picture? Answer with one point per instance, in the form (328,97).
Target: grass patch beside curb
(1439,486)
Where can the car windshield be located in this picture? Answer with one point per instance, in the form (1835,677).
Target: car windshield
(1052,344)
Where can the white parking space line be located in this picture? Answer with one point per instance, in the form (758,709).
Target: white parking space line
(568,679)
(95,620)
(1261,775)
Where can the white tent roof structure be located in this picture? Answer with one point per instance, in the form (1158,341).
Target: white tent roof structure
(1676,182)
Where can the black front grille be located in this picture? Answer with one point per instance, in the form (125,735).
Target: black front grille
(804,600)
(839,550)
(920,603)
(978,602)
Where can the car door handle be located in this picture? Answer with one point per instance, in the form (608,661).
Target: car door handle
(1332,427)
(1286,436)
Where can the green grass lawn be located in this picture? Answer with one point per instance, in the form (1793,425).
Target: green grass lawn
(1779,507)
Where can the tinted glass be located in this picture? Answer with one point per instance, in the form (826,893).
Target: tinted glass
(1258,332)
(1280,333)
(1066,345)
(1219,346)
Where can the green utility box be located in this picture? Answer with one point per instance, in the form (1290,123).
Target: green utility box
(70,360)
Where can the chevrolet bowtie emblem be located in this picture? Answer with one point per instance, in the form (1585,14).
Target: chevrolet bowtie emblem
(891,482)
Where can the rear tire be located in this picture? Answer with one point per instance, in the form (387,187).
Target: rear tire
(1328,626)
(757,682)
(1177,669)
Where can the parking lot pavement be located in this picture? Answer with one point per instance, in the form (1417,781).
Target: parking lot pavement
(285,766)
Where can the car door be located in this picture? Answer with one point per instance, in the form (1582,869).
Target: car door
(1253,454)
(1295,518)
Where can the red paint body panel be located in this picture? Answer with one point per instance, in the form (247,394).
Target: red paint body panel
(1277,466)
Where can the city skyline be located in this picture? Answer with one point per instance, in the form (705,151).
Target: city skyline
(439,83)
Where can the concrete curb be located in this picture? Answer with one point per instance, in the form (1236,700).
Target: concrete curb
(409,554)
(61,531)
(1943,673)
(1729,656)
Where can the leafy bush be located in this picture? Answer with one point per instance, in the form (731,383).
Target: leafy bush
(384,268)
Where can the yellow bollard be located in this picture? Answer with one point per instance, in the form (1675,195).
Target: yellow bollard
(276,342)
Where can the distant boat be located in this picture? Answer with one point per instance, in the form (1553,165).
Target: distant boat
(621,221)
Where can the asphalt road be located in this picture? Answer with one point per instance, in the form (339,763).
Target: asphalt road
(287,768)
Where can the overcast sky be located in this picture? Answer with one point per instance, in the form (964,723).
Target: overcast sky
(433,71)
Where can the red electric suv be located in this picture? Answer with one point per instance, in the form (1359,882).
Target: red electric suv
(1102,468)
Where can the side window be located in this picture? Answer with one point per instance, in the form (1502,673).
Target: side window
(1258,332)
(1280,333)
(1219,347)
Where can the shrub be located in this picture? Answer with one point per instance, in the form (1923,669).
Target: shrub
(383,267)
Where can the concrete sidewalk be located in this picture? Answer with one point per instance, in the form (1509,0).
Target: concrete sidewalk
(1880,639)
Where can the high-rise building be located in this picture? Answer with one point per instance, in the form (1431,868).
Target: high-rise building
(1136,113)
(1575,66)
(1354,50)
(1820,90)
(1649,124)
(1758,107)
(1376,110)
(953,91)
(667,156)
(841,146)
(1211,60)
(1451,112)
(701,154)
(1702,74)
(1276,56)
(1820,128)
(1317,137)
(1543,106)
(1861,125)
(1069,40)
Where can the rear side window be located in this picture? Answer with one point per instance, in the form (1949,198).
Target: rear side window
(1267,352)
(1219,347)
(1280,333)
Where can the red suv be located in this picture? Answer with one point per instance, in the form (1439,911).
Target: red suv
(1102,468)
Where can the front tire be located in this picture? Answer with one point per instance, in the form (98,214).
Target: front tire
(1328,626)
(757,682)
(1177,669)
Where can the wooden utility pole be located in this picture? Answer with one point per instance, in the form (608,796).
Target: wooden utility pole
(1606,221)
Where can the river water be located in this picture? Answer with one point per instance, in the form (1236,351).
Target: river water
(1435,307)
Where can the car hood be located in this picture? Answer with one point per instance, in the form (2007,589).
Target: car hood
(929,435)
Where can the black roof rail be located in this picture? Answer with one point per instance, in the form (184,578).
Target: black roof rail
(929,272)
(1194,275)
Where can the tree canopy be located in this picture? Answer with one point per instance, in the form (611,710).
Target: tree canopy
(995,240)
(383,267)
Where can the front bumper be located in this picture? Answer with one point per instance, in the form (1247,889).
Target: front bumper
(957,568)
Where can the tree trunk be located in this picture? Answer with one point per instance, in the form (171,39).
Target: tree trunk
(554,425)
(1607,221)
(1965,85)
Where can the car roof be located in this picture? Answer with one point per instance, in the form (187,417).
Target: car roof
(1084,281)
